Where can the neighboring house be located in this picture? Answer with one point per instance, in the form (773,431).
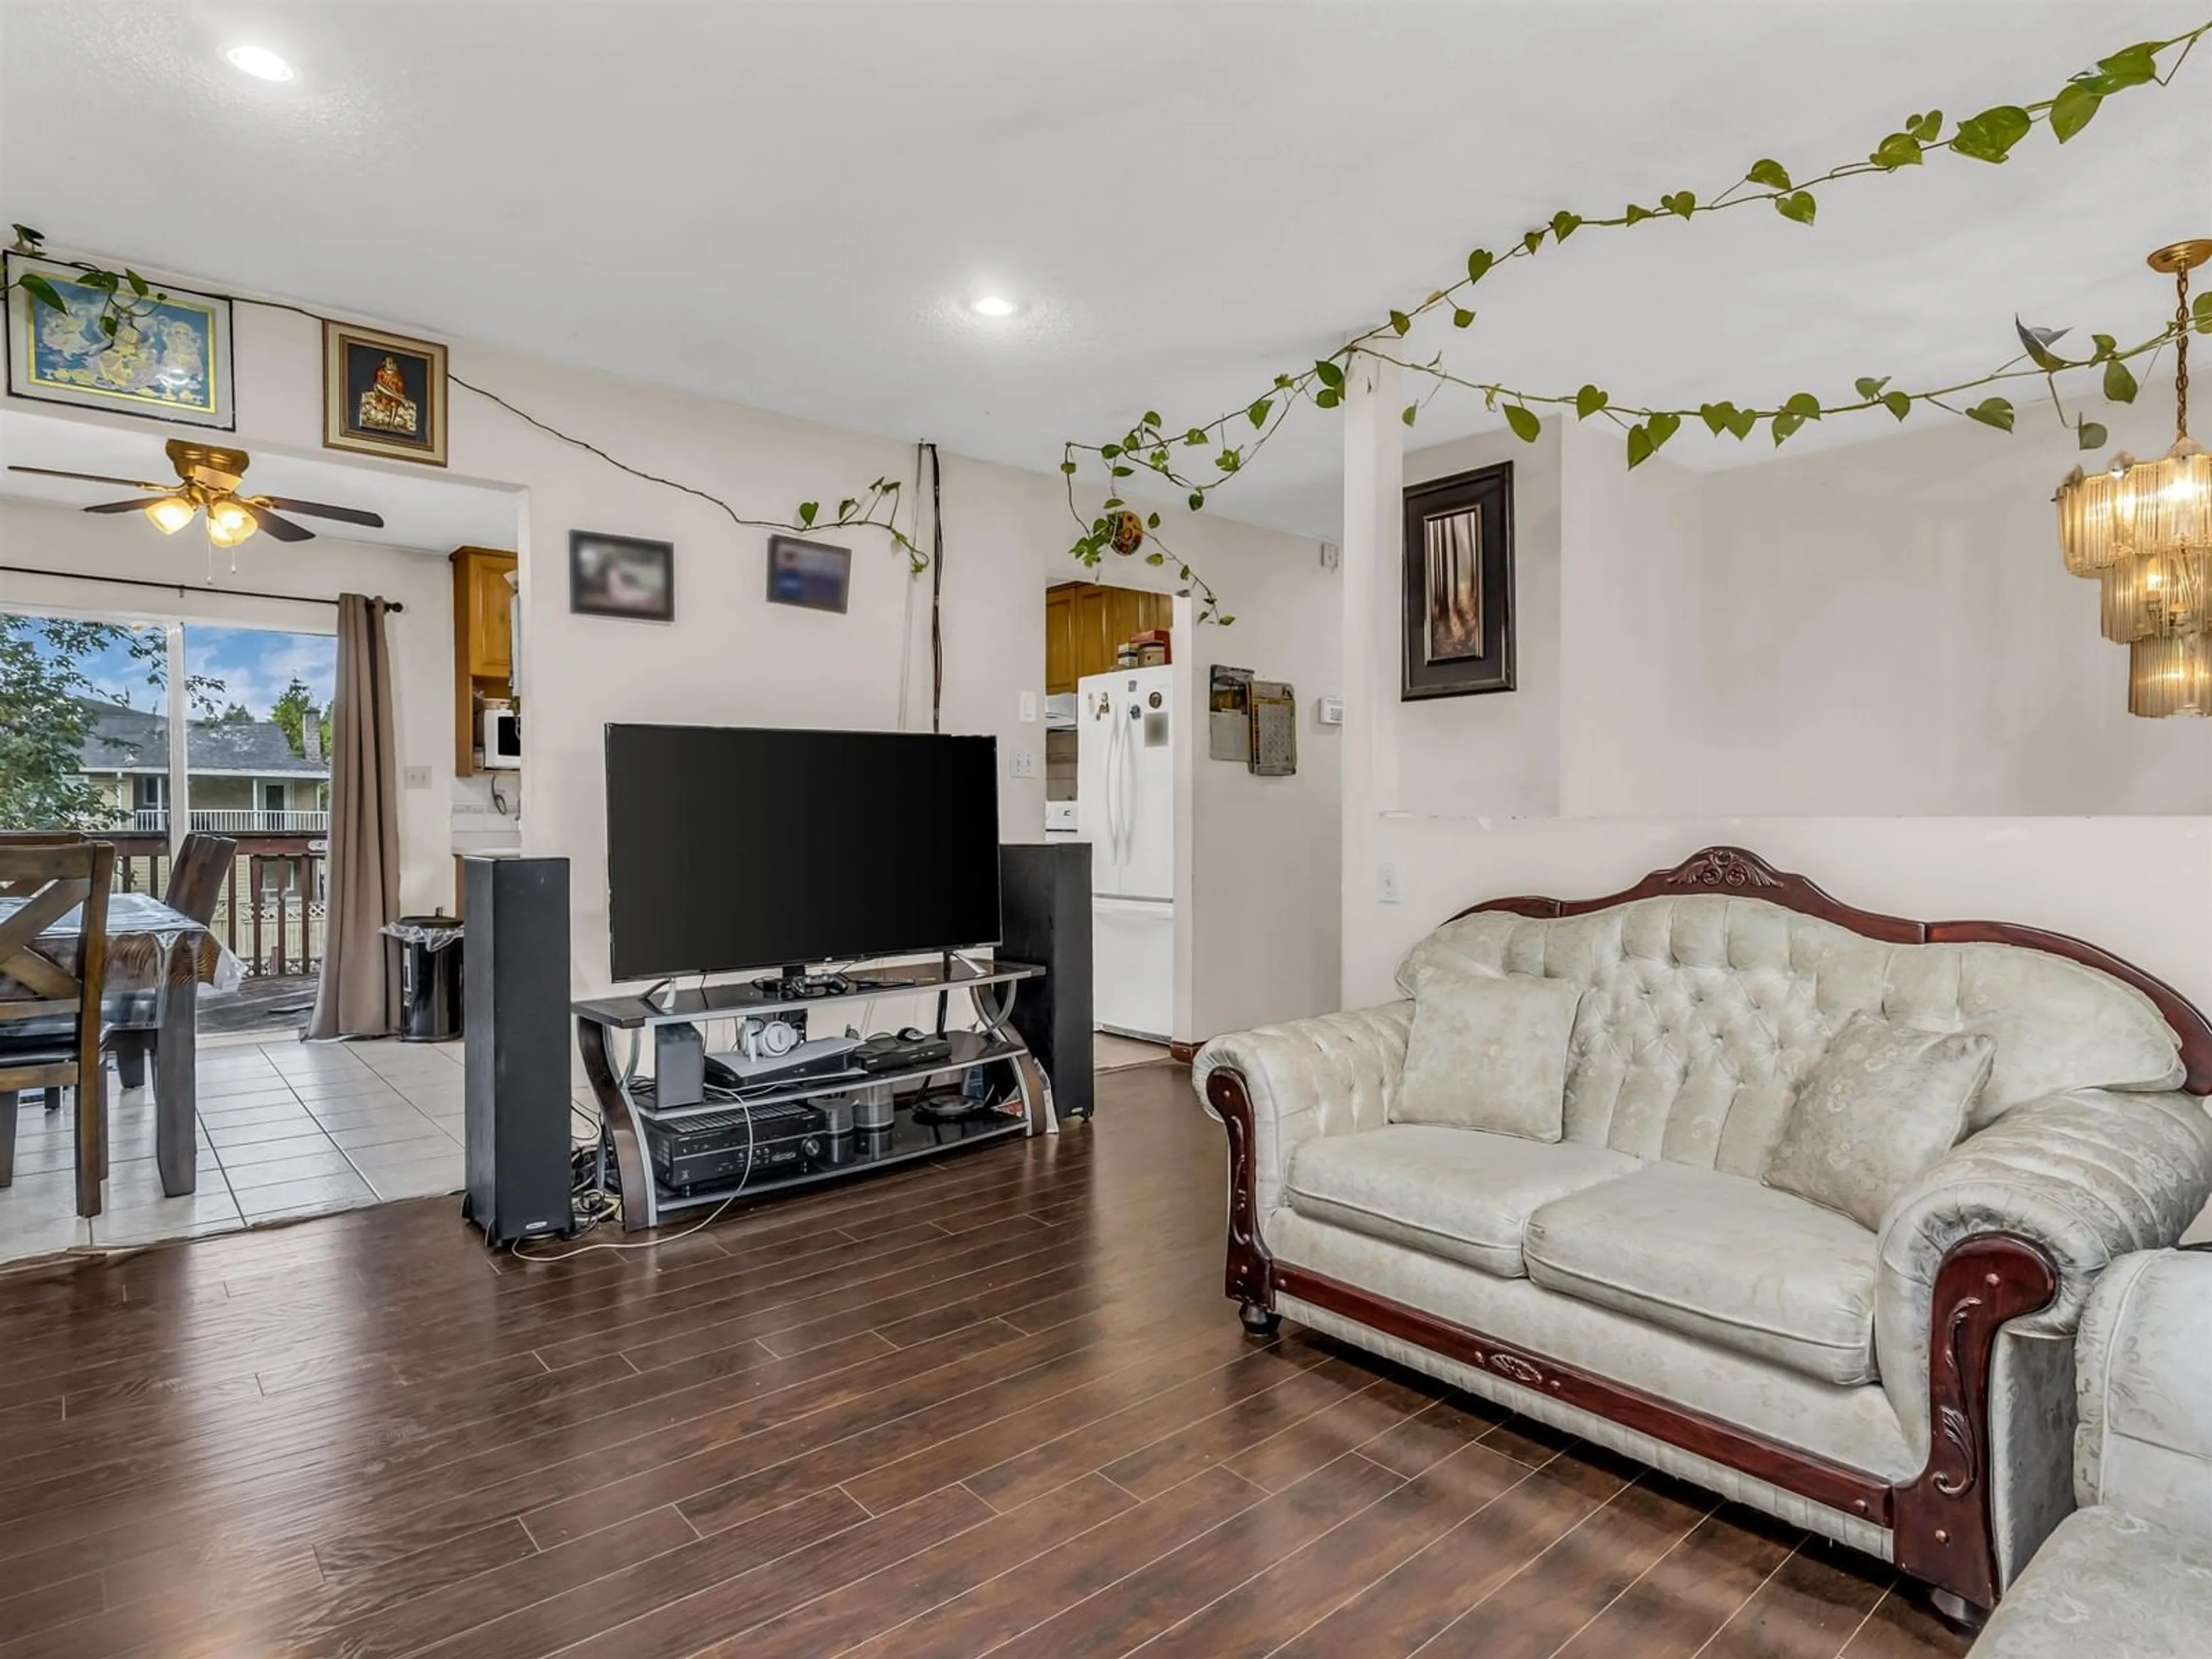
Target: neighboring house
(243,776)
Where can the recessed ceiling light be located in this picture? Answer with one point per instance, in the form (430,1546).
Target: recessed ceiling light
(260,62)
(993,305)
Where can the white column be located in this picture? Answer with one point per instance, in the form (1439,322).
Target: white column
(1374,487)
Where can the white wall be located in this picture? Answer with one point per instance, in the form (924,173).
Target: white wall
(422,638)
(730,657)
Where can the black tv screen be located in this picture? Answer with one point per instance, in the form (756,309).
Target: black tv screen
(741,846)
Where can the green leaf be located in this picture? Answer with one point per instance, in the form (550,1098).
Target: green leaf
(845,508)
(1122,472)
(2106,345)
(1327,398)
(2130,68)
(1769,173)
(1533,240)
(1990,135)
(1900,149)
(105,281)
(138,282)
(1409,413)
(1926,128)
(1462,317)
(1069,467)
(1195,438)
(1111,502)
(1897,404)
(1230,459)
(1804,405)
(1197,500)
(1682,202)
(1522,419)
(1226,622)
(1328,374)
(107,323)
(27,238)
(2199,309)
(1868,388)
(1662,426)
(1993,411)
(1260,411)
(2038,341)
(1156,558)
(41,290)
(1589,401)
(2072,110)
(2119,382)
(2091,436)
(1151,521)
(1798,205)
(1636,216)
(1718,418)
(1639,447)
(1783,425)
(807,510)
(1564,224)
(1399,323)
(1110,451)
(1479,264)
(1152,418)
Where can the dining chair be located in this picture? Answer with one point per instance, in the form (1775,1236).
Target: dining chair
(196,878)
(50,1009)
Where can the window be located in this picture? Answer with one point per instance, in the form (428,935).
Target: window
(272,796)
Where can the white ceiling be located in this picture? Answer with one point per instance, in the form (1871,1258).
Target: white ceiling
(423,510)
(787,204)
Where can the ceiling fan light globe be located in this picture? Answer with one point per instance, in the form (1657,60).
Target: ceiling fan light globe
(170,513)
(229,525)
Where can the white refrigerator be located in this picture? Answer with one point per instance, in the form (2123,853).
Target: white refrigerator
(1125,806)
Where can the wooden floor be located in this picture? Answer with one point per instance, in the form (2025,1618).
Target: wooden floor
(995,1406)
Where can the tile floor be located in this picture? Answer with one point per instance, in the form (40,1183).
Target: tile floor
(287,1129)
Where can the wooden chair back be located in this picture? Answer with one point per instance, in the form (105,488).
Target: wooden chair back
(196,878)
(50,998)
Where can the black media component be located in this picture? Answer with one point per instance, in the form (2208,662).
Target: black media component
(899,830)
(680,1066)
(716,1148)
(515,980)
(1047,907)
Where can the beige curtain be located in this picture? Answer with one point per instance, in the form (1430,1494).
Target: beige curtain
(359,995)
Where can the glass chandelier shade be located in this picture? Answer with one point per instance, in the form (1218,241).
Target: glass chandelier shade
(2143,530)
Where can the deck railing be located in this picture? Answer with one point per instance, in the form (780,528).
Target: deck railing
(273,904)
(236,821)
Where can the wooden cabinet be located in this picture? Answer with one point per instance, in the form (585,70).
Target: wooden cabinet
(484,655)
(1085,625)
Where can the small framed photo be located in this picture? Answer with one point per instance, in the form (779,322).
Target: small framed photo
(621,576)
(384,394)
(169,360)
(1458,588)
(808,573)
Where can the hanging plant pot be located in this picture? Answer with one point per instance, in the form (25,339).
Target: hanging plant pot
(1129,531)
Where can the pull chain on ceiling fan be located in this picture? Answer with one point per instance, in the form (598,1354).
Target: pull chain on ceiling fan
(207,482)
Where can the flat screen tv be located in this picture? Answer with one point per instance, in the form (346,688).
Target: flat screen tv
(744,847)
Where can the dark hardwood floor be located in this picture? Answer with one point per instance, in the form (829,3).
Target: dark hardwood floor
(995,1406)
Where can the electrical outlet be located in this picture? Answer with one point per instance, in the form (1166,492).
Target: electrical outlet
(1029,707)
(415,777)
(1386,885)
(1330,558)
(1022,763)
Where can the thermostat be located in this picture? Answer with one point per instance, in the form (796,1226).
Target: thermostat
(1329,711)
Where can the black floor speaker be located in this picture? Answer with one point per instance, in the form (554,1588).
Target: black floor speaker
(1044,902)
(514,980)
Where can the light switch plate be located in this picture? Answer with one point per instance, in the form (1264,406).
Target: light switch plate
(1022,763)
(1386,885)
(415,777)
(1029,707)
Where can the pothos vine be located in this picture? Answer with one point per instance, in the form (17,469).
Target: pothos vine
(1229,439)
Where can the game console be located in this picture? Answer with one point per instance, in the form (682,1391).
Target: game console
(816,1057)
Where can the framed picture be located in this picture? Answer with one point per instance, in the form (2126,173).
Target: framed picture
(622,576)
(808,573)
(384,394)
(168,361)
(1459,585)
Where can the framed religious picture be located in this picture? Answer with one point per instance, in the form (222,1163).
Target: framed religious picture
(383,394)
(1459,585)
(167,358)
(622,576)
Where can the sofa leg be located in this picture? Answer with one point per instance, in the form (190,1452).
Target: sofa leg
(1956,1611)
(1258,1321)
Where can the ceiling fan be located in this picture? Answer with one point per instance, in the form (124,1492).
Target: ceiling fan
(207,481)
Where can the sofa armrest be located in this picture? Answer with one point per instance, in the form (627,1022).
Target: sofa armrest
(2144,1391)
(1333,1074)
(2084,1177)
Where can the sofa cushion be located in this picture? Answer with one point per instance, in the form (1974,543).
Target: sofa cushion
(1488,1051)
(2107,1584)
(1455,1192)
(1719,1257)
(1882,1105)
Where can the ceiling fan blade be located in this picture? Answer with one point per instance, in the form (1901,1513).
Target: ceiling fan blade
(316,509)
(282,529)
(118,506)
(95,477)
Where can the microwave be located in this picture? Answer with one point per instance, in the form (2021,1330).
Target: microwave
(503,739)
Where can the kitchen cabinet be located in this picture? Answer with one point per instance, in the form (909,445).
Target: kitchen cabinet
(1086,624)
(484,653)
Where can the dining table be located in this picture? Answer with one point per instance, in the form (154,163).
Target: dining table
(158,961)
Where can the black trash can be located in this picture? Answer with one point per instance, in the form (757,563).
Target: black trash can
(430,977)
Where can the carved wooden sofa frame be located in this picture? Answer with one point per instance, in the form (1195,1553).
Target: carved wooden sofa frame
(1940,1519)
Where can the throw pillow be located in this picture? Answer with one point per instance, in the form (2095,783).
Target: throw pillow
(1882,1105)
(1488,1054)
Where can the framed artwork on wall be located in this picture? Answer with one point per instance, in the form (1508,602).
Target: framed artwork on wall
(384,394)
(1458,586)
(621,576)
(811,574)
(169,359)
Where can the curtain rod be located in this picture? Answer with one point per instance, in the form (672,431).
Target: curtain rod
(176,587)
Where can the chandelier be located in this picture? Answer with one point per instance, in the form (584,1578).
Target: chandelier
(2144,529)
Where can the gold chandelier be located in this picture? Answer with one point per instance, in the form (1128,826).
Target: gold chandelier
(2144,529)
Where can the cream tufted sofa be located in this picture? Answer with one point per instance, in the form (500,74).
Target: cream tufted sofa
(1908,1392)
